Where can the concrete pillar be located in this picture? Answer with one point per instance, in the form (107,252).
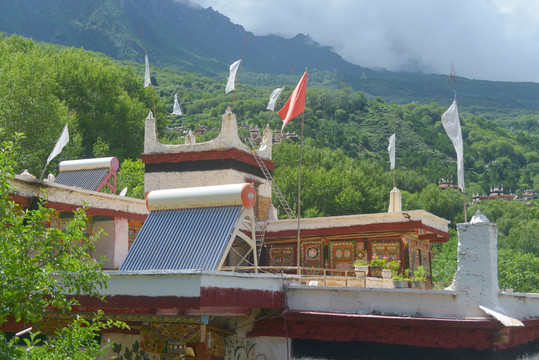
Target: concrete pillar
(476,279)
(395,201)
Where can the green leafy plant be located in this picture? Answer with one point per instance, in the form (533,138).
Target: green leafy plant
(361,263)
(41,261)
(400,277)
(392,265)
(378,262)
(420,274)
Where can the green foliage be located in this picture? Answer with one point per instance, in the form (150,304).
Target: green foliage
(400,277)
(448,204)
(332,184)
(419,274)
(378,262)
(40,263)
(42,89)
(393,265)
(28,103)
(444,264)
(78,341)
(101,148)
(518,271)
(135,352)
(131,176)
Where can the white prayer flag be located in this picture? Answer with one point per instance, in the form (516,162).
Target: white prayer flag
(451,123)
(176,110)
(273,98)
(391,150)
(62,141)
(147,79)
(232,77)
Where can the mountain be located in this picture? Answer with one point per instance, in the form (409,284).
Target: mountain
(184,36)
(177,34)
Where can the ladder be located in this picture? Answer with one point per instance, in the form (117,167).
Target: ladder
(274,186)
(260,232)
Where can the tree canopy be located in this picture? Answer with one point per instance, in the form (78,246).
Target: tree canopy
(43,258)
(42,89)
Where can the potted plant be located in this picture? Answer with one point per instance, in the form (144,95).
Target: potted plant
(362,268)
(390,269)
(401,281)
(418,281)
(376,266)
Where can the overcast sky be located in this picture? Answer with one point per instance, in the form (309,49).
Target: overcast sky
(483,39)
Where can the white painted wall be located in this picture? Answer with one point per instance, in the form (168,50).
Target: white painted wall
(188,179)
(270,348)
(105,245)
(121,242)
(257,348)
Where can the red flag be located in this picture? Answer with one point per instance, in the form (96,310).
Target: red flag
(296,103)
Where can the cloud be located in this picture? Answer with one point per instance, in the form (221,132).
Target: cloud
(484,39)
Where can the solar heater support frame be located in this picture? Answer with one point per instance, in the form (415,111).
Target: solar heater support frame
(251,241)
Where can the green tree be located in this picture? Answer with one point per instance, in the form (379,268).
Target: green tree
(444,264)
(41,262)
(77,341)
(447,204)
(518,271)
(131,176)
(332,183)
(28,103)
(42,89)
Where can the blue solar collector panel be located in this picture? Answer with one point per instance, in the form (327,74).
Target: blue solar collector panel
(85,179)
(180,239)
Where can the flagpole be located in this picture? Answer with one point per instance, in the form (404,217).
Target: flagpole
(239,70)
(271,115)
(299,195)
(60,143)
(41,177)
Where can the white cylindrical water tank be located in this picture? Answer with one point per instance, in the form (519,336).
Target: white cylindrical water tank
(204,196)
(89,164)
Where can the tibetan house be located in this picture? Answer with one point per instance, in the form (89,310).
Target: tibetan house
(208,210)
(340,241)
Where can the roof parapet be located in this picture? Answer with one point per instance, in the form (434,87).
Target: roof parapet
(228,138)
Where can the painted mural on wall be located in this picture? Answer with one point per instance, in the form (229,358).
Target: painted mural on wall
(129,347)
(311,254)
(282,255)
(239,348)
(261,348)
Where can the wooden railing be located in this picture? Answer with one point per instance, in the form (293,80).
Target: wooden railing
(309,275)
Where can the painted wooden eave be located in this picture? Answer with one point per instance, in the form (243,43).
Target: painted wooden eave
(69,198)
(413,219)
